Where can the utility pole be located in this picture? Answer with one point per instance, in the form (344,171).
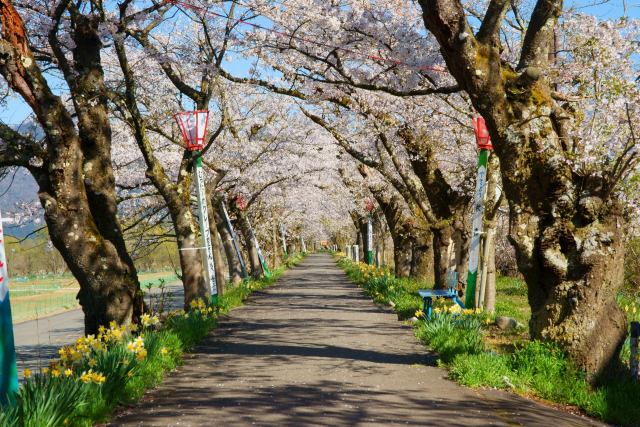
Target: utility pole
(193,126)
(8,369)
(234,239)
(484,145)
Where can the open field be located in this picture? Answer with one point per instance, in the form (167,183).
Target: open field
(36,297)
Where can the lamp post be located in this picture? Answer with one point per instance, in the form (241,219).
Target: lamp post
(369,254)
(484,145)
(8,369)
(234,239)
(193,127)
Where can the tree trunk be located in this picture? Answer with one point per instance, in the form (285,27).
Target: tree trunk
(422,256)
(191,257)
(109,288)
(235,268)
(490,267)
(274,243)
(177,196)
(250,247)
(441,242)
(567,226)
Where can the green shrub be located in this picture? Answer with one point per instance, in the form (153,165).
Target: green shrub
(450,335)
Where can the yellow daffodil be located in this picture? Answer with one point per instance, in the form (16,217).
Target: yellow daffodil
(27,373)
(68,372)
(419,313)
(92,362)
(55,373)
(44,371)
(164,351)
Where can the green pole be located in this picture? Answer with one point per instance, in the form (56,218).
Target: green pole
(204,229)
(8,369)
(370,239)
(484,143)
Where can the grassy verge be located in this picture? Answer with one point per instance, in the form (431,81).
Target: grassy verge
(38,297)
(98,373)
(478,354)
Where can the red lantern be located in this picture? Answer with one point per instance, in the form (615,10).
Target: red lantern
(193,127)
(368,205)
(482,134)
(240,201)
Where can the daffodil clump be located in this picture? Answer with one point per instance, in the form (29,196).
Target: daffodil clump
(632,310)
(372,272)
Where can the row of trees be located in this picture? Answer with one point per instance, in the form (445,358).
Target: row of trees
(320,106)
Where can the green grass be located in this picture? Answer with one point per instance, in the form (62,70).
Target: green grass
(511,299)
(466,345)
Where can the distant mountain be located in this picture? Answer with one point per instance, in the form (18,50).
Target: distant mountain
(17,187)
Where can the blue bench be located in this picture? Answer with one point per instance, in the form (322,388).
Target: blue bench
(451,293)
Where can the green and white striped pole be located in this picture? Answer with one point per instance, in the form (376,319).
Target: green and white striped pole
(203,214)
(263,261)
(484,144)
(8,369)
(234,239)
(370,239)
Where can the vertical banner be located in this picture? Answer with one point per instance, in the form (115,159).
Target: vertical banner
(8,370)
(370,240)
(205,231)
(234,238)
(484,144)
(302,245)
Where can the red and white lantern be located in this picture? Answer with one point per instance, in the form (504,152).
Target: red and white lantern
(482,133)
(193,127)
(369,205)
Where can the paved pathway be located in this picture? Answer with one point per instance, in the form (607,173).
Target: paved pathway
(313,350)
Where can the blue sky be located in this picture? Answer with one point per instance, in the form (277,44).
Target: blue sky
(16,111)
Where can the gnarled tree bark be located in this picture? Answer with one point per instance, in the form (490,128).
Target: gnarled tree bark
(567,228)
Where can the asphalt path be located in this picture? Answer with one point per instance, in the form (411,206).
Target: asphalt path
(314,350)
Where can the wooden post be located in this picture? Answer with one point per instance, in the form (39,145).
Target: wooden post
(633,360)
